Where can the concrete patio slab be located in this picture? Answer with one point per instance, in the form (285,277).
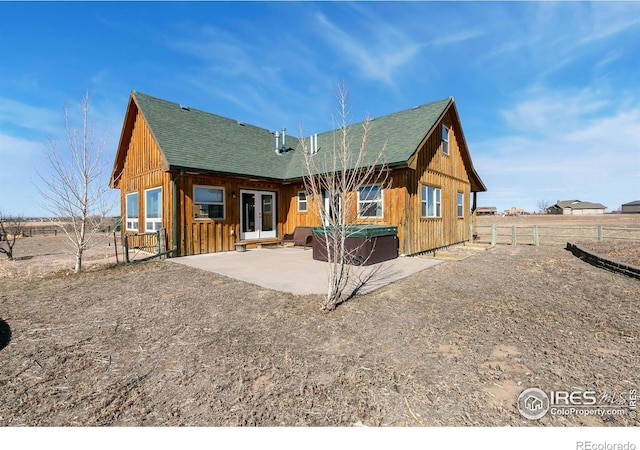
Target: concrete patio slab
(293,270)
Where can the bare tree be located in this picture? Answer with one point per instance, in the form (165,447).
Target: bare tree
(10,229)
(334,176)
(543,206)
(74,189)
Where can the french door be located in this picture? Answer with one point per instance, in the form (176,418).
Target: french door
(257,214)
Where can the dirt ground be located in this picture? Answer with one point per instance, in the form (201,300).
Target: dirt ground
(161,344)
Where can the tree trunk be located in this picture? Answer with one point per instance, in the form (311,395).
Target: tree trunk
(78,267)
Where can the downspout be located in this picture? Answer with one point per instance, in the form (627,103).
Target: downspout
(474,216)
(175,211)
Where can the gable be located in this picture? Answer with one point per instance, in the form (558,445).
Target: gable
(450,118)
(137,149)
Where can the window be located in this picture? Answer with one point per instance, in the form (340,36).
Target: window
(445,140)
(460,204)
(302,201)
(132,212)
(370,201)
(153,209)
(431,201)
(208,202)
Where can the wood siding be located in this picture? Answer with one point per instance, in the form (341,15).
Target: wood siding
(434,168)
(142,170)
(197,236)
(289,211)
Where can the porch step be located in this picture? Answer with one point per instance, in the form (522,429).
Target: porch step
(259,243)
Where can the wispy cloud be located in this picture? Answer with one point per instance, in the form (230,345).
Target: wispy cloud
(543,111)
(22,115)
(374,55)
(458,37)
(551,38)
(17,172)
(581,144)
(262,83)
(609,22)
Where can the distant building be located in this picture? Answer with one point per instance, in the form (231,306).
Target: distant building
(487,211)
(514,211)
(576,208)
(631,208)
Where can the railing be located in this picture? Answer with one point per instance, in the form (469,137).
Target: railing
(550,234)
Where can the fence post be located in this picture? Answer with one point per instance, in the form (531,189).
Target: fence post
(600,233)
(115,246)
(126,248)
(513,235)
(494,234)
(536,240)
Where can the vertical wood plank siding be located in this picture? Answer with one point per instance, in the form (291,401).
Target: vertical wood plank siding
(142,170)
(447,172)
(208,235)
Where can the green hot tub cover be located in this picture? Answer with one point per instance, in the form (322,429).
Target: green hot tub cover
(362,231)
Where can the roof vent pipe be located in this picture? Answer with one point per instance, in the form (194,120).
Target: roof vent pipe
(284,131)
(277,135)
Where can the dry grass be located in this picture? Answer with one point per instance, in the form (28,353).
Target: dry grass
(164,344)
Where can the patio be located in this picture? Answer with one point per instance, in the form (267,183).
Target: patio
(293,269)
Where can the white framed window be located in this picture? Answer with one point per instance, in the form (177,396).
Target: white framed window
(370,201)
(153,209)
(302,201)
(208,202)
(131,213)
(460,204)
(445,140)
(431,197)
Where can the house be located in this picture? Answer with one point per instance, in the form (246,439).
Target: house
(514,211)
(631,207)
(212,182)
(487,211)
(576,207)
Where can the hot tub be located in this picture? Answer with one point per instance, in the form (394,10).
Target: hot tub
(366,244)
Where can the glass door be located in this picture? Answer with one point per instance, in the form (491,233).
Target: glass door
(268,223)
(257,215)
(248,216)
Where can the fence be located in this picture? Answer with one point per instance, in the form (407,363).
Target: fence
(52,230)
(550,234)
(147,245)
(36,231)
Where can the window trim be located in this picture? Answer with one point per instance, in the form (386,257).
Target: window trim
(381,201)
(445,140)
(437,205)
(304,202)
(147,219)
(460,204)
(223,203)
(126,213)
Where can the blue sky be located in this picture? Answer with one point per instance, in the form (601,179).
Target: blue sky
(548,93)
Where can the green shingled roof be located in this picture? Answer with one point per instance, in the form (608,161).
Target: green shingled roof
(197,140)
